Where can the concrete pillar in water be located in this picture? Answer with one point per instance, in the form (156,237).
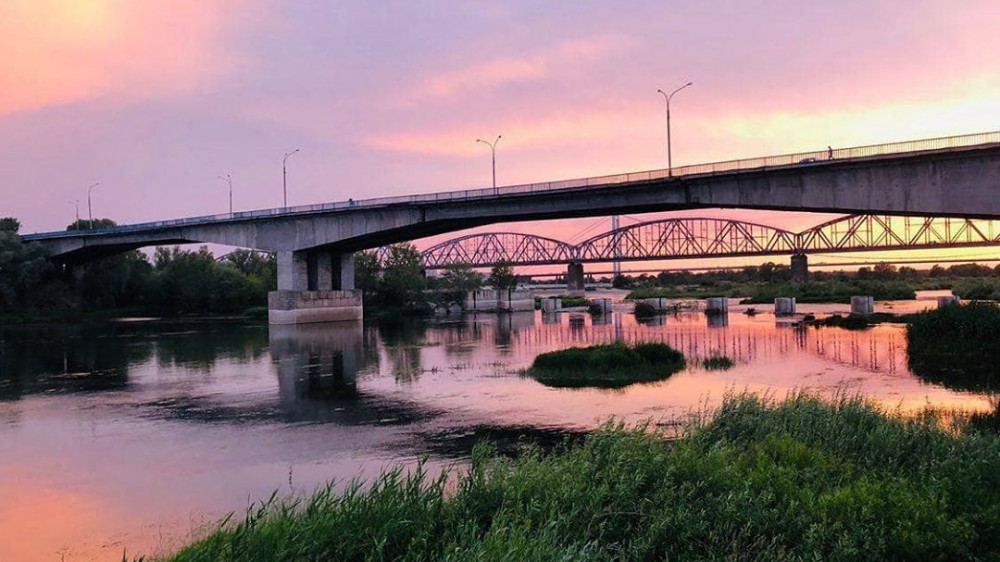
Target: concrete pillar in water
(862,305)
(800,269)
(948,301)
(784,306)
(601,305)
(716,305)
(293,271)
(574,279)
(658,304)
(551,304)
(305,295)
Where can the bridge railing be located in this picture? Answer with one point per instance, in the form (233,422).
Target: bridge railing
(802,158)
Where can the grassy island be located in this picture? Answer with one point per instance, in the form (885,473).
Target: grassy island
(615,365)
(803,480)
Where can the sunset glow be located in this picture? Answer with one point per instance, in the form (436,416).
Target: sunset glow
(159,97)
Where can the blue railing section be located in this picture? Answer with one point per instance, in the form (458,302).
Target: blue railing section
(802,158)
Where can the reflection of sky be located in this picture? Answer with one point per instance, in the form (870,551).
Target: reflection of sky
(206,417)
(388,99)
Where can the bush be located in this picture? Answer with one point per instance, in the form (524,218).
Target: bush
(956,346)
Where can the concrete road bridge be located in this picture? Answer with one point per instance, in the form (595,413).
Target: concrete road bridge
(951,176)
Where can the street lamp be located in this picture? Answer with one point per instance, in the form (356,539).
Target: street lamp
(284,175)
(90,208)
(76,202)
(493,152)
(670,166)
(228,179)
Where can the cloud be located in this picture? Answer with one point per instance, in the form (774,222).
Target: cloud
(62,51)
(502,71)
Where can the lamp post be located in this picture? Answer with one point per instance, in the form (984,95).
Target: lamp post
(228,179)
(284,175)
(493,153)
(90,208)
(670,165)
(76,202)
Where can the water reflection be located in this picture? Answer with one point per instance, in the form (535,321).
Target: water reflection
(317,361)
(224,411)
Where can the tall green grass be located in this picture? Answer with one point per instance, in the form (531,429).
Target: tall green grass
(801,480)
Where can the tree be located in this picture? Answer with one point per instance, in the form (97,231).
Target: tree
(502,277)
(367,272)
(23,268)
(10,224)
(402,283)
(461,278)
(84,224)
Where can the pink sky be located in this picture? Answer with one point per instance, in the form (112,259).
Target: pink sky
(156,99)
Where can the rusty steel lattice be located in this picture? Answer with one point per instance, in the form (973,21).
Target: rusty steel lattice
(712,237)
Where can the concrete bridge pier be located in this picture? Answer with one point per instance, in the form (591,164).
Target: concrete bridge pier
(314,286)
(574,280)
(800,269)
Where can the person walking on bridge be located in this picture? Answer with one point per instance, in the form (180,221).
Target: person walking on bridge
(829,152)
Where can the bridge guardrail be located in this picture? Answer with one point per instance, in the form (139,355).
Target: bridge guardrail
(803,158)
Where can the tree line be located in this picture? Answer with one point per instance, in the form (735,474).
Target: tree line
(178,281)
(174,280)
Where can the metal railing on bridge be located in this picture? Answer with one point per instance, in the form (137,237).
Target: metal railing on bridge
(797,159)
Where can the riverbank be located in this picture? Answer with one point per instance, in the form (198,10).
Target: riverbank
(123,314)
(804,479)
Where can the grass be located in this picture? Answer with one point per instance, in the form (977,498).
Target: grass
(956,346)
(606,366)
(801,480)
(717,363)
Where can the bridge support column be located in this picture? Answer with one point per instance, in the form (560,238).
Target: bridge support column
(574,279)
(320,271)
(306,293)
(343,272)
(800,269)
(293,271)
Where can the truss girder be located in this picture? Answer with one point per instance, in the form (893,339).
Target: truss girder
(714,237)
(688,237)
(486,249)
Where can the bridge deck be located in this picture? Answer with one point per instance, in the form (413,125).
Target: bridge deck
(804,159)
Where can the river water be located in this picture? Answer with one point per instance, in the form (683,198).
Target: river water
(139,435)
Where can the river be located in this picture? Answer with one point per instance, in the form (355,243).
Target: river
(140,434)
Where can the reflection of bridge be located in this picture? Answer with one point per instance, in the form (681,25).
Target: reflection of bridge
(685,238)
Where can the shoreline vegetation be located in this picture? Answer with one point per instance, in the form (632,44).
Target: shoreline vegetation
(615,365)
(956,346)
(802,479)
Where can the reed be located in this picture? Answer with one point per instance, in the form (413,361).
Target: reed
(758,480)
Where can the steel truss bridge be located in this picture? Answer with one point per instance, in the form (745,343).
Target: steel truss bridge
(687,238)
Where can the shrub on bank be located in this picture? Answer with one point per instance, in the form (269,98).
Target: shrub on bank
(606,366)
(956,346)
(796,481)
